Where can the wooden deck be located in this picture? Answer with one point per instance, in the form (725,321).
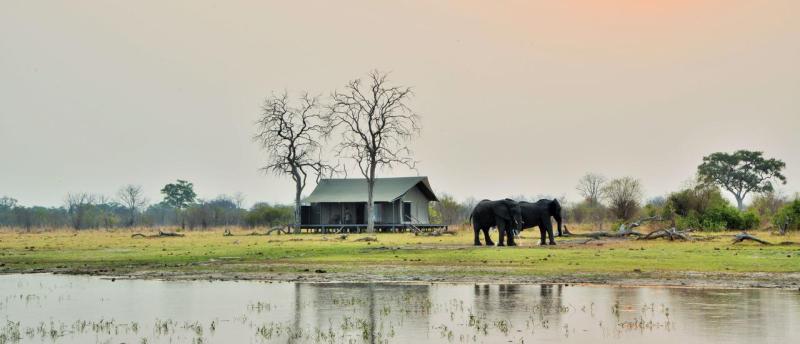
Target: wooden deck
(379,227)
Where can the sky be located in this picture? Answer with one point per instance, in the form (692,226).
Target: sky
(516,97)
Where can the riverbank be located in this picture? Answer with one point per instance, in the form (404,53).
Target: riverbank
(711,261)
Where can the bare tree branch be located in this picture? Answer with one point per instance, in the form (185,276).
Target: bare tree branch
(376,125)
(291,134)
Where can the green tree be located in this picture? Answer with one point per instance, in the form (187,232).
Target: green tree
(179,196)
(788,217)
(741,172)
(447,211)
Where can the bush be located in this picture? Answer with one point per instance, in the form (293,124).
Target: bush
(750,220)
(263,214)
(703,207)
(788,216)
(718,218)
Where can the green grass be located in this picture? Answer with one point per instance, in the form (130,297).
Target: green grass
(115,252)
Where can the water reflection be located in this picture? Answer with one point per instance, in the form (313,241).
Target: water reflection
(77,309)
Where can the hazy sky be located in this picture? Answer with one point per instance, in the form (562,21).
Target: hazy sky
(516,97)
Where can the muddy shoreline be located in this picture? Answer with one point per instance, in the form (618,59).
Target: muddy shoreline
(761,280)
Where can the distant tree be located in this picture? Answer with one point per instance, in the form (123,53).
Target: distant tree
(788,217)
(79,206)
(132,198)
(263,214)
(179,195)
(7,205)
(467,207)
(768,203)
(449,210)
(238,198)
(741,172)
(291,136)
(7,202)
(590,186)
(624,196)
(377,125)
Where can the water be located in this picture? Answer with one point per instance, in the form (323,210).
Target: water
(44,308)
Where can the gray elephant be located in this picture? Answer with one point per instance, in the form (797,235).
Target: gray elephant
(504,214)
(538,214)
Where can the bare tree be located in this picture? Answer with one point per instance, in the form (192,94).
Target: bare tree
(291,136)
(238,199)
(78,207)
(132,198)
(624,196)
(377,124)
(590,187)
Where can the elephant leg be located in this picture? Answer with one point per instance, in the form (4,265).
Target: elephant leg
(501,228)
(542,235)
(477,230)
(487,237)
(549,228)
(510,235)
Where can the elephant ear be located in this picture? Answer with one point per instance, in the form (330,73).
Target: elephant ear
(501,209)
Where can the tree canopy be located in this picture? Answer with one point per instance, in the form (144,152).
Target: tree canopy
(179,195)
(741,173)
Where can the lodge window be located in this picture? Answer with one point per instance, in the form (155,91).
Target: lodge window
(377,210)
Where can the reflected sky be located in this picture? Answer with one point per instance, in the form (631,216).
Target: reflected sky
(43,308)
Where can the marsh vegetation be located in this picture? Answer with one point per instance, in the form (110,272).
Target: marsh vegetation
(79,309)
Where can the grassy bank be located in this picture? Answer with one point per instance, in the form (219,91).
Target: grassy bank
(397,257)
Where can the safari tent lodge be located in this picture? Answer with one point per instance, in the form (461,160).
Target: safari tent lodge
(340,205)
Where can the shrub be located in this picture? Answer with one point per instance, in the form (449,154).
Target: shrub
(263,214)
(718,218)
(788,216)
(750,220)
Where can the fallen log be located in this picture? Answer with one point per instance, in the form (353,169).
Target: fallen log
(279,229)
(436,233)
(367,239)
(160,234)
(744,236)
(669,233)
(598,235)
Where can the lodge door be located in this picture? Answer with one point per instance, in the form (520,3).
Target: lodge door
(360,214)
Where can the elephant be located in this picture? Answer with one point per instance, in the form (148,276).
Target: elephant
(538,214)
(505,214)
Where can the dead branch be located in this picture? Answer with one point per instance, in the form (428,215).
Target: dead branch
(279,229)
(435,233)
(669,233)
(367,239)
(744,236)
(625,227)
(160,234)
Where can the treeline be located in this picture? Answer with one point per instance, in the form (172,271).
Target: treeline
(130,209)
(700,205)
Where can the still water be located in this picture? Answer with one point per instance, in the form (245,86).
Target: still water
(44,308)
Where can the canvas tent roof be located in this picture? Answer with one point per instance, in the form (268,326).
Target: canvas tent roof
(355,190)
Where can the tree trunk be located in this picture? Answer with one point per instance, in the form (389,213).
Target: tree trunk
(739,202)
(179,217)
(370,188)
(370,208)
(297,208)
